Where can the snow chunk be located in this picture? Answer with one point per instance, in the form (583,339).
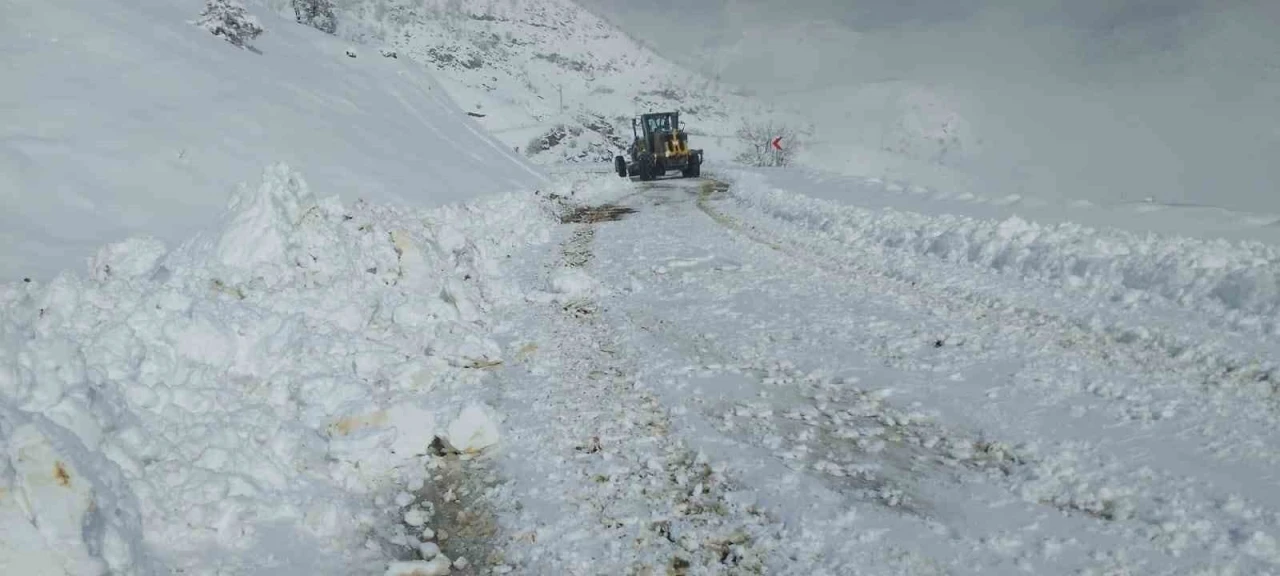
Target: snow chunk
(573,283)
(130,258)
(415,517)
(261,221)
(438,566)
(55,517)
(413,265)
(380,441)
(414,427)
(473,430)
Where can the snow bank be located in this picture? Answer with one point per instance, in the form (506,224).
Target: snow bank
(1238,280)
(255,388)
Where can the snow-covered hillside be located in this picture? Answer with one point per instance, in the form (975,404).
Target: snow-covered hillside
(122,117)
(303,316)
(547,76)
(209,363)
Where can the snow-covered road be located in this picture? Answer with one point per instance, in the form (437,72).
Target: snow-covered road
(695,384)
(677,377)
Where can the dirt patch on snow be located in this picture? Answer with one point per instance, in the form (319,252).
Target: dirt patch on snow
(451,510)
(576,251)
(594,214)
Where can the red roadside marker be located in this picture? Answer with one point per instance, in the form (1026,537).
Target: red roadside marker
(777,146)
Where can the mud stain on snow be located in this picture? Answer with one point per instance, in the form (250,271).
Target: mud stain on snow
(349,424)
(463,521)
(60,475)
(595,214)
(576,251)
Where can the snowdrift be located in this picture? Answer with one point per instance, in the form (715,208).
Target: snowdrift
(253,399)
(120,118)
(1238,282)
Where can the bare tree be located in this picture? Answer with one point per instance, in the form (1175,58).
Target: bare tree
(758,136)
(229,19)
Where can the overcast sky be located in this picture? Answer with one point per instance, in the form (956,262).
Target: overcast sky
(914,34)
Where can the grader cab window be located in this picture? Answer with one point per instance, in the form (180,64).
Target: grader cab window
(660,124)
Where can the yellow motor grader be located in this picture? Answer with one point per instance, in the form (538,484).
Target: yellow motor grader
(659,146)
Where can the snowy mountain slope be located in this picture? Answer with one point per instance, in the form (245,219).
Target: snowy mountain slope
(122,117)
(731,376)
(537,67)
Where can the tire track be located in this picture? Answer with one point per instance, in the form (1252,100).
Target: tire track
(1090,481)
(604,448)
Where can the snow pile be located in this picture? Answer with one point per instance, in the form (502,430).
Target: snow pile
(247,395)
(1237,280)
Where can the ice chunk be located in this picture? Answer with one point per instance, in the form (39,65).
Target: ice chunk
(573,283)
(415,517)
(438,566)
(473,430)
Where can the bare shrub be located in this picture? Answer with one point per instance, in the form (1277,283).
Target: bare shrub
(757,137)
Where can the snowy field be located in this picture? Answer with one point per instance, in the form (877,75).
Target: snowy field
(349,332)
